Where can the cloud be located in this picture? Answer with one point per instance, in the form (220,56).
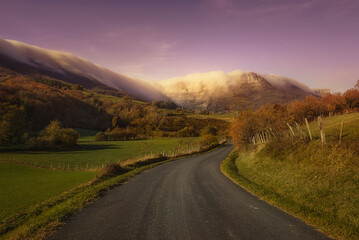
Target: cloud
(264,7)
(200,87)
(65,62)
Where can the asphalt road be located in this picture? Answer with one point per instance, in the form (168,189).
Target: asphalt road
(184,199)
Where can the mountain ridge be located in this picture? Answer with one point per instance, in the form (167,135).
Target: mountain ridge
(235,90)
(215,90)
(73,69)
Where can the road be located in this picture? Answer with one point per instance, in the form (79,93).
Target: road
(184,199)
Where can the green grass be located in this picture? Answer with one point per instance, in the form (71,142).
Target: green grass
(40,221)
(111,98)
(92,155)
(22,187)
(318,183)
(229,117)
(332,127)
(86,135)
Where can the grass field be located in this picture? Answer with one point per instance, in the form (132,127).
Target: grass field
(228,117)
(318,183)
(22,187)
(332,127)
(30,177)
(92,154)
(110,98)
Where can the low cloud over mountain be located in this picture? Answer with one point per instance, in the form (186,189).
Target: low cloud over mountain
(234,90)
(212,90)
(67,67)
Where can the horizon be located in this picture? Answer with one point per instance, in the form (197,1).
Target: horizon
(313,42)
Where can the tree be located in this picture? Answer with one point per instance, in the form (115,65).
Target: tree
(357,85)
(243,128)
(54,136)
(13,125)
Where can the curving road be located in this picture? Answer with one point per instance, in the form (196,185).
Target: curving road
(185,199)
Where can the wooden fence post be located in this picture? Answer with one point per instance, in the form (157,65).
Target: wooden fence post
(341,132)
(291,129)
(310,133)
(321,128)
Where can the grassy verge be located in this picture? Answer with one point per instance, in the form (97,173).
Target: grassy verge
(315,182)
(45,218)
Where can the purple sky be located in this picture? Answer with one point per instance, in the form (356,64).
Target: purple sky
(313,41)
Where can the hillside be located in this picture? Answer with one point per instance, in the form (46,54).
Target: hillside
(308,179)
(237,90)
(213,91)
(34,61)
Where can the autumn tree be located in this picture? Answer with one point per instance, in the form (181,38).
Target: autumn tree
(54,136)
(243,128)
(13,125)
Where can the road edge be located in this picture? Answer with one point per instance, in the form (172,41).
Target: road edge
(231,173)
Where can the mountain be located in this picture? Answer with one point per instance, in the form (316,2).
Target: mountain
(235,90)
(216,91)
(31,60)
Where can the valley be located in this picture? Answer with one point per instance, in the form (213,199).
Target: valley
(71,130)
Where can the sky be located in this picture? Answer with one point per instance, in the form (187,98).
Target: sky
(313,41)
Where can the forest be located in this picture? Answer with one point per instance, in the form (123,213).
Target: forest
(41,113)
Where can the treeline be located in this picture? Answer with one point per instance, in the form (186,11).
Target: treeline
(134,121)
(29,105)
(273,120)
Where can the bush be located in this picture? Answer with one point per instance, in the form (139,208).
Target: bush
(187,132)
(100,136)
(208,139)
(54,136)
(209,130)
(111,169)
(122,134)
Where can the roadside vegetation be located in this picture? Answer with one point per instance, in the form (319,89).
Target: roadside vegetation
(311,171)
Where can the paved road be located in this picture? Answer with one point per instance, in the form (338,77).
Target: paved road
(184,199)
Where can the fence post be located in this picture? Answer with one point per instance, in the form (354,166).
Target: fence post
(341,132)
(291,129)
(310,133)
(321,128)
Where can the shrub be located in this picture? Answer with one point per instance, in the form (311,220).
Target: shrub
(111,169)
(54,136)
(208,139)
(100,136)
(187,132)
(209,130)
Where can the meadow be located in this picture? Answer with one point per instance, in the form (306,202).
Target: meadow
(28,178)
(92,155)
(22,187)
(314,181)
